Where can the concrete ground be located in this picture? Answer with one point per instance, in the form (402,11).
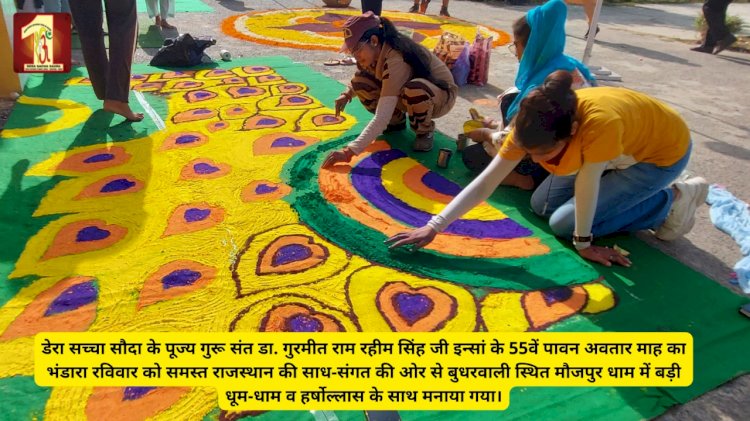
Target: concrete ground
(639,42)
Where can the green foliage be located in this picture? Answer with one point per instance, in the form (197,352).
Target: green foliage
(734,23)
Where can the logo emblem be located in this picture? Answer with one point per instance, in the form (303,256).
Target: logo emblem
(41,42)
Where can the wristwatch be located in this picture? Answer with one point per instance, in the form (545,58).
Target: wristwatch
(581,243)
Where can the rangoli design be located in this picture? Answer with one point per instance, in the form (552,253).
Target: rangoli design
(320,29)
(225,222)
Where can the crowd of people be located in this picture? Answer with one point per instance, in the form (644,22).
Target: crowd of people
(600,160)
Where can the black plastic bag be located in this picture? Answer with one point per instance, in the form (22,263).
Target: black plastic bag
(183,51)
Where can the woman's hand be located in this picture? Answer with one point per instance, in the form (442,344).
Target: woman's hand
(481,135)
(490,123)
(604,255)
(341,102)
(419,237)
(344,155)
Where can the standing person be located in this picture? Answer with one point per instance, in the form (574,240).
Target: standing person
(418,7)
(641,143)
(718,38)
(161,9)
(374,6)
(395,76)
(110,77)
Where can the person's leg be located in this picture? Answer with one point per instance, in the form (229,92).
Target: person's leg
(423,6)
(633,199)
(554,192)
(123,28)
(415,7)
(589,6)
(475,158)
(715,12)
(152,8)
(527,175)
(164,6)
(423,100)
(444,9)
(374,6)
(88,18)
(709,42)
(28,6)
(367,88)
(52,6)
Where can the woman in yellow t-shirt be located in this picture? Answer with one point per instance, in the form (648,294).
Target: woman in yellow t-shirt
(613,155)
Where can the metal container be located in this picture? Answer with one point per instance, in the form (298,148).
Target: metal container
(461,140)
(444,157)
(226,55)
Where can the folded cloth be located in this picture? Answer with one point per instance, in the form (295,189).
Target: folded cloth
(732,216)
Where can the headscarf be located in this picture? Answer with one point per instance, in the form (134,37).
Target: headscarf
(543,53)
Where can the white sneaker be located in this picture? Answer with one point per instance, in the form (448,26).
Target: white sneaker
(693,193)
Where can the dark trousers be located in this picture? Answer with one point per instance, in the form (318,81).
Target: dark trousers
(715,12)
(374,6)
(476,159)
(110,77)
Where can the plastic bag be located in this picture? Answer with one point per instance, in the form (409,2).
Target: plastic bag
(480,60)
(462,66)
(449,48)
(183,51)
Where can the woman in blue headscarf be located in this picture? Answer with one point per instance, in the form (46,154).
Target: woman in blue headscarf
(538,43)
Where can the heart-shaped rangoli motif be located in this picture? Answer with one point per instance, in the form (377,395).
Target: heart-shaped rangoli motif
(291,254)
(550,305)
(298,318)
(84,236)
(408,309)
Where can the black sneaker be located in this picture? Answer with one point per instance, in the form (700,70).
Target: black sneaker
(444,12)
(414,8)
(702,49)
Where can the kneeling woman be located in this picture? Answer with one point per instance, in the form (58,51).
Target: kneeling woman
(395,76)
(613,155)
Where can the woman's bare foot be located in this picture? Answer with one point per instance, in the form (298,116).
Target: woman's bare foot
(166,25)
(158,21)
(121,108)
(523,182)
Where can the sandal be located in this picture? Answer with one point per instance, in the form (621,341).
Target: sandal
(349,61)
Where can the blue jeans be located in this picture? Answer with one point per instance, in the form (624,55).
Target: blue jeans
(56,6)
(633,199)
